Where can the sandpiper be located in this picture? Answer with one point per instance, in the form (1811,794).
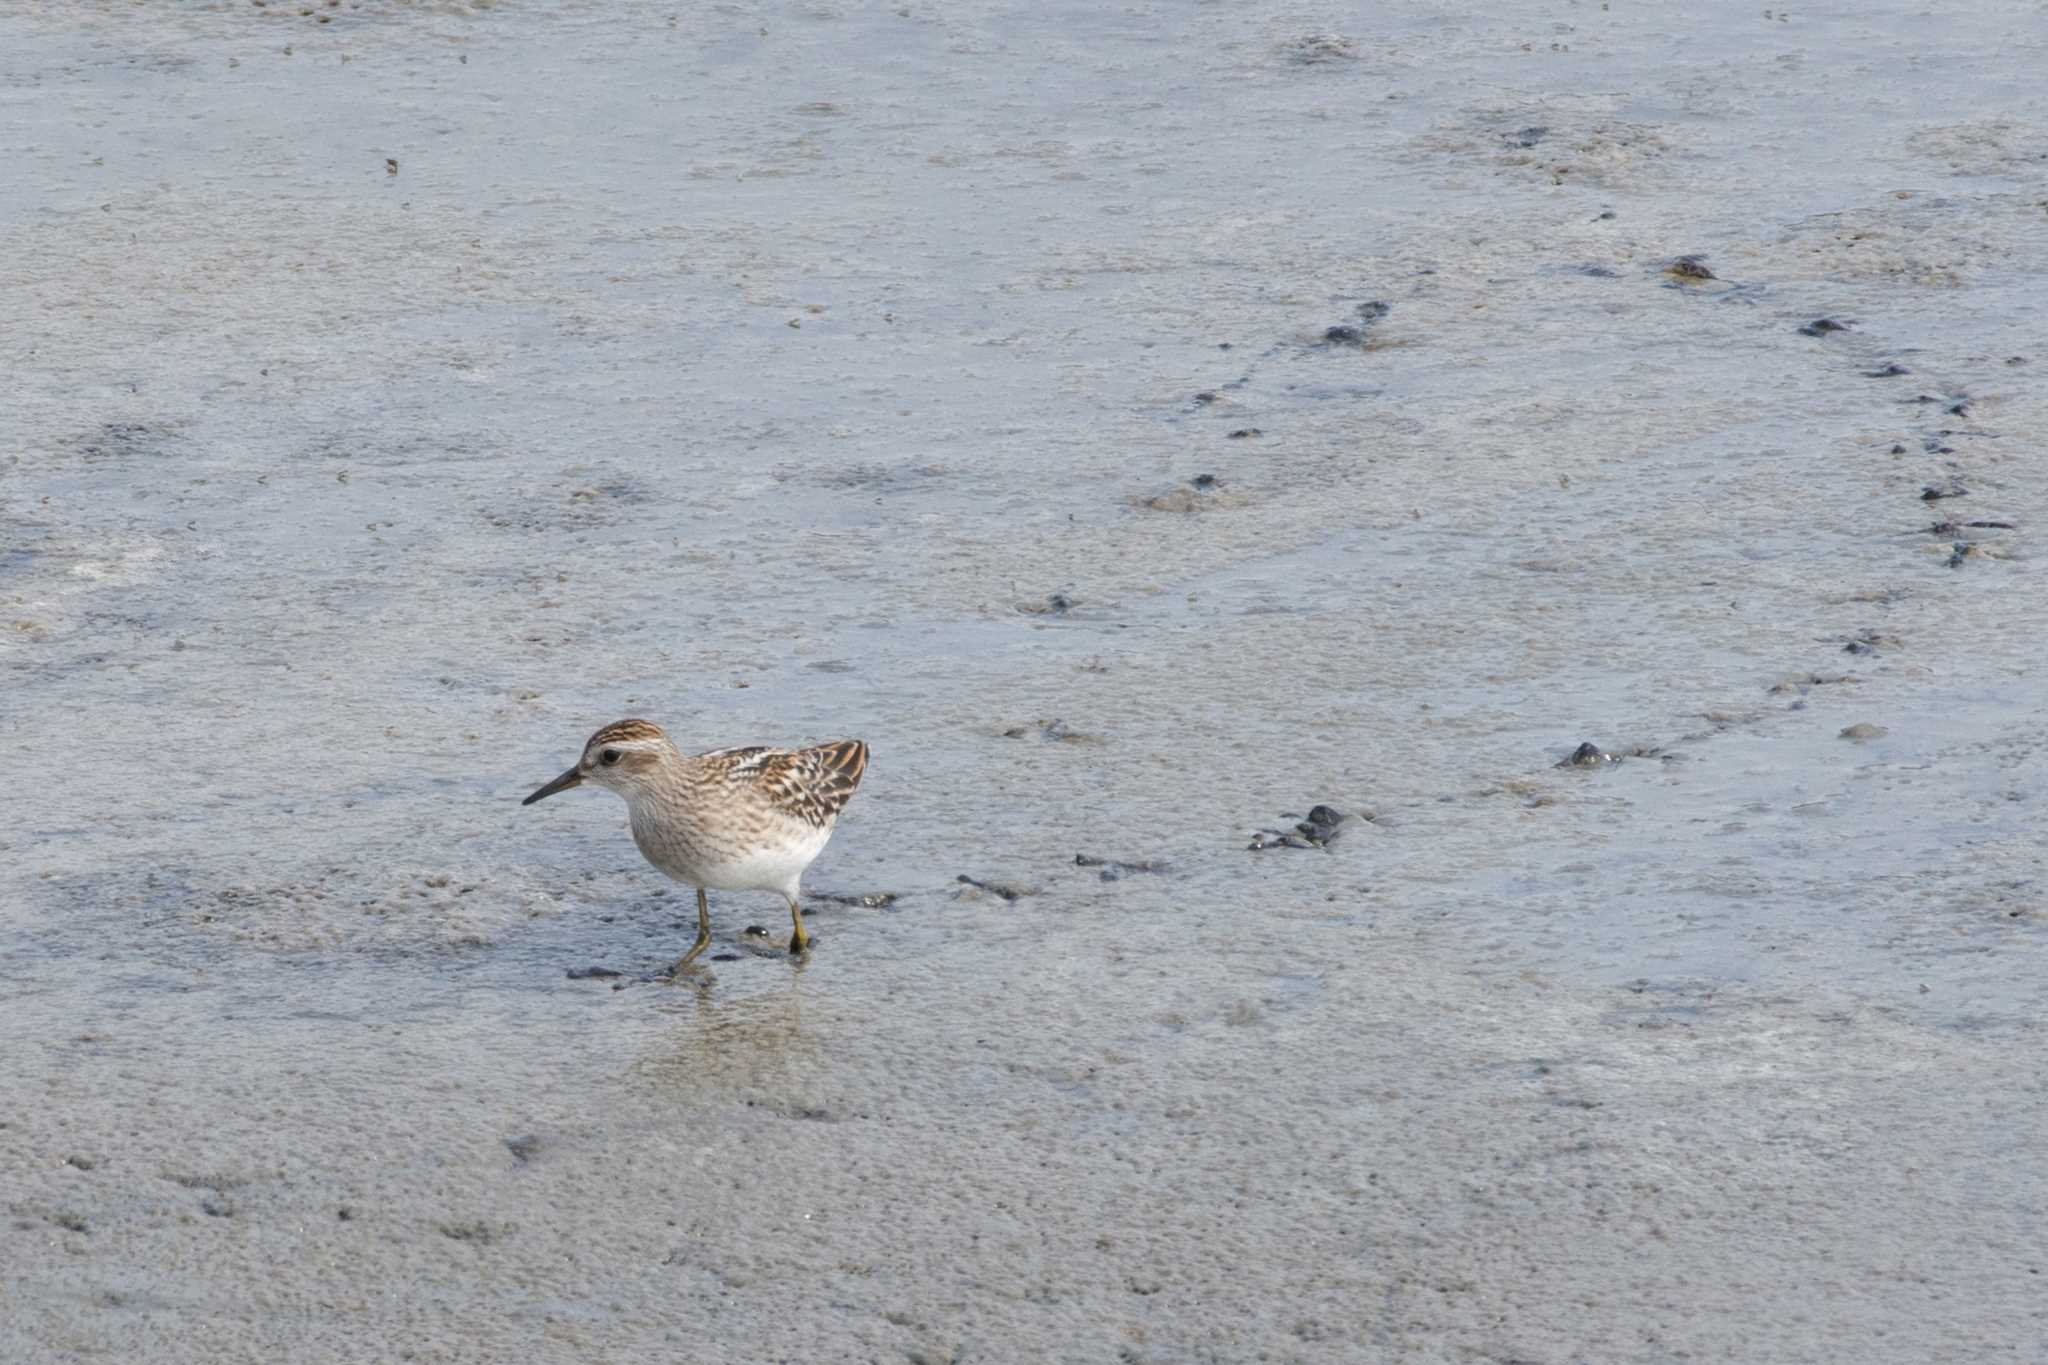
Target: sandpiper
(729,820)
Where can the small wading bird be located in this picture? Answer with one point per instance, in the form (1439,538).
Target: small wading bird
(729,820)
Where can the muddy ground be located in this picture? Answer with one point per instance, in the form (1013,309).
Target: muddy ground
(1142,425)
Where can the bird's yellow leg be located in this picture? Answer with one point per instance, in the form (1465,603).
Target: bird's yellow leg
(703,936)
(799,940)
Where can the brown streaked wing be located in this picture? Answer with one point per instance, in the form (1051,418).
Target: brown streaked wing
(813,784)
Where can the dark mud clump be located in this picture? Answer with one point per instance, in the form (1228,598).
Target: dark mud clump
(1115,870)
(1591,755)
(1320,828)
(1003,891)
(480,1232)
(1870,642)
(1052,732)
(1803,683)
(1963,551)
(1319,49)
(1955,528)
(872,900)
(1354,334)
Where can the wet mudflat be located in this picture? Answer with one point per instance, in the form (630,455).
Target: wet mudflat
(1447,610)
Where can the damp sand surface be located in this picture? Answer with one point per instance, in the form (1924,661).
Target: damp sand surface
(1142,425)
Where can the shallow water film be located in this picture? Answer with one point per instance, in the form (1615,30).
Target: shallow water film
(1445,599)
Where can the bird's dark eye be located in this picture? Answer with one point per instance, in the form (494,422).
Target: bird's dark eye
(609,757)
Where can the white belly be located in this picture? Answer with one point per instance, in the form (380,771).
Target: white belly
(773,865)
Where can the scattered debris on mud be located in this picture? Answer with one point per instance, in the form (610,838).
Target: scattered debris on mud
(1320,828)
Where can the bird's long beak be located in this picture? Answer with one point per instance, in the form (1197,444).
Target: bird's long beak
(569,779)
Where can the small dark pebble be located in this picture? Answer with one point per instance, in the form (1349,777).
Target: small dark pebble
(1345,336)
(754,931)
(216,1208)
(1374,311)
(1528,137)
(1242,432)
(345,1214)
(1605,214)
(586,973)
(1205,397)
(1058,604)
(1886,372)
(1587,755)
(1326,815)
(522,1147)
(2015,360)
(1690,268)
(1205,481)
(1223,346)
(81,1161)
(1958,409)
(1935,492)
(1898,449)
(1820,327)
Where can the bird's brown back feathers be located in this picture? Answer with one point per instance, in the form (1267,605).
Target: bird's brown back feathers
(812,785)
